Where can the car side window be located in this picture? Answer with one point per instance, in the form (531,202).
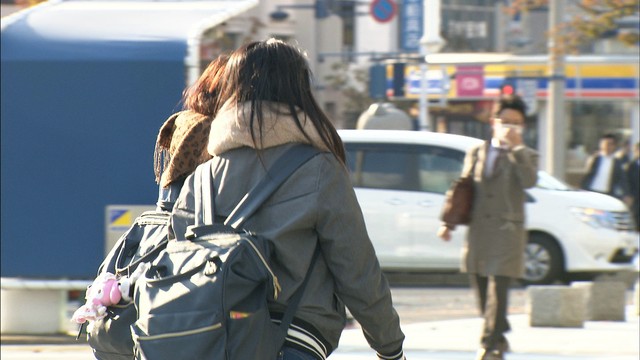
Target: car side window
(377,167)
(438,168)
(403,167)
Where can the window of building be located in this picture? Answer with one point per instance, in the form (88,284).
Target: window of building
(347,10)
(590,120)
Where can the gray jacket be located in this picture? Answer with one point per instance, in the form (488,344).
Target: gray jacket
(316,204)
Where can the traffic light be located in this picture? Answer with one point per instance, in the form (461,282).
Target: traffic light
(508,88)
(398,82)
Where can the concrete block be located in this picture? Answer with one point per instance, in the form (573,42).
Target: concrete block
(605,300)
(556,306)
(30,306)
(32,311)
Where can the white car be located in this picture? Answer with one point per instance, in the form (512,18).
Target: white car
(401,177)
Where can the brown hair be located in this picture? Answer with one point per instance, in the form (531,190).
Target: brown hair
(181,144)
(204,96)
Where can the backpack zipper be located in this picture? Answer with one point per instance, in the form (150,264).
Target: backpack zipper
(276,283)
(180,333)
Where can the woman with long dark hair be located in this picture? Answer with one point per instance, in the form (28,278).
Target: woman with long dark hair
(269,108)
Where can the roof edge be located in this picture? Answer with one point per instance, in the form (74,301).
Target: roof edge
(12,18)
(192,58)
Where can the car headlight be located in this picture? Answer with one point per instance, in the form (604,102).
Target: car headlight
(595,218)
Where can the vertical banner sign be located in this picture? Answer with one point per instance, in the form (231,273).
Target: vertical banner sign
(528,89)
(411,25)
(470,81)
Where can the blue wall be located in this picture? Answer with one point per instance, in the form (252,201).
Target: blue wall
(78,133)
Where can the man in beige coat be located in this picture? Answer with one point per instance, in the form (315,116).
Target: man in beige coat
(502,169)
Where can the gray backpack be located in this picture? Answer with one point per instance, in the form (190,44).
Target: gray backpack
(206,297)
(110,337)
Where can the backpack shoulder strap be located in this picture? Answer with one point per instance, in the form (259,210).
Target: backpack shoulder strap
(276,175)
(203,195)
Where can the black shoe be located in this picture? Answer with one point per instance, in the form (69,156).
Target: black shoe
(503,346)
(486,354)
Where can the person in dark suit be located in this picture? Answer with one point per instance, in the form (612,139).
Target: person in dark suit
(502,168)
(605,172)
(624,153)
(633,180)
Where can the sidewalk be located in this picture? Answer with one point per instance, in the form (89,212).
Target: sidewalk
(435,340)
(457,339)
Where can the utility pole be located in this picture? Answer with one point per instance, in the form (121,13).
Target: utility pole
(556,126)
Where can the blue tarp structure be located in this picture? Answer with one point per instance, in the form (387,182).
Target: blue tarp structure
(85,87)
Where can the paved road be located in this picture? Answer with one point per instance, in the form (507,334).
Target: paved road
(433,304)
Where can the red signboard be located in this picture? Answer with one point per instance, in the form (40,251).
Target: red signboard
(470,80)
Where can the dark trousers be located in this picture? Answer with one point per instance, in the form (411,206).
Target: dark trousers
(492,293)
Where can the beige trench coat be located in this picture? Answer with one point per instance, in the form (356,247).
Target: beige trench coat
(496,237)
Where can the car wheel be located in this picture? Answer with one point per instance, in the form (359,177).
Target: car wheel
(543,261)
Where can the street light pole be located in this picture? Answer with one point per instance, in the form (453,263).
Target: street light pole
(424,94)
(556,127)
(431,42)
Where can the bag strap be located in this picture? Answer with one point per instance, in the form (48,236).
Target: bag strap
(276,175)
(150,255)
(287,317)
(473,165)
(203,194)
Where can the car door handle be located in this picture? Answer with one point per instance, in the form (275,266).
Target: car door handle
(426,203)
(395,202)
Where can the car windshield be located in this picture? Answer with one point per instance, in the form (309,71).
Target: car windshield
(548,182)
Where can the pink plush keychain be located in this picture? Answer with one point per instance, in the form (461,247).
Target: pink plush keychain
(106,290)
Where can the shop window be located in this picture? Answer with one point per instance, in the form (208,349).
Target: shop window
(590,120)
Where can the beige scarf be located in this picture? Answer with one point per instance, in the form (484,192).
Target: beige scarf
(230,128)
(181,146)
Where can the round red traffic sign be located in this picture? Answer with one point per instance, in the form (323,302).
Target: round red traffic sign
(383,10)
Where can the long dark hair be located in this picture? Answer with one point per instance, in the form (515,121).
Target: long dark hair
(204,96)
(274,71)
